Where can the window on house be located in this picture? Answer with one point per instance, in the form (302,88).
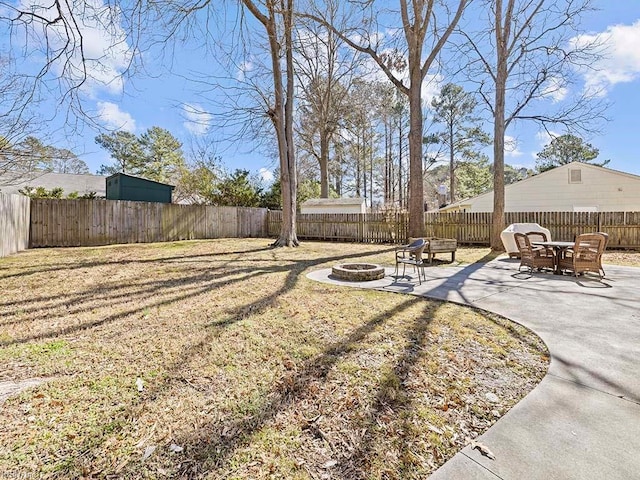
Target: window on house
(575,175)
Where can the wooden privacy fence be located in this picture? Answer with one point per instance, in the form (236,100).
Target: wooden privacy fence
(62,223)
(474,228)
(346,227)
(14,224)
(468,228)
(103,222)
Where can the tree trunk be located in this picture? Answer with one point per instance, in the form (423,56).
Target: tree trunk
(387,167)
(416,188)
(371,170)
(497,223)
(452,178)
(400,196)
(324,165)
(282,116)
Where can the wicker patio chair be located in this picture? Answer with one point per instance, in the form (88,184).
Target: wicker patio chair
(585,255)
(541,237)
(532,256)
(606,242)
(412,255)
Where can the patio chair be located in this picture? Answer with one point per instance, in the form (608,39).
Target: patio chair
(530,256)
(585,255)
(541,237)
(606,242)
(411,254)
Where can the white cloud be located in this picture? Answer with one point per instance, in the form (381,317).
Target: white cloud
(114,118)
(243,68)
(511,147)
(544,138)
(621,62)
(431,86)
(104,46)
(266,175)
(198,121)
(556,89)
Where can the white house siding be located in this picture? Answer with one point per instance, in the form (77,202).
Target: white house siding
(332,209)
(606,190)
(333,205)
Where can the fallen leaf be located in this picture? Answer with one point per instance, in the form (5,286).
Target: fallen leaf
(484,450)
(175,448)
(492,397)
(148,452)
(434,429)
(330,463)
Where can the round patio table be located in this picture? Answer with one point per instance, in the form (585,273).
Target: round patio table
(559,248)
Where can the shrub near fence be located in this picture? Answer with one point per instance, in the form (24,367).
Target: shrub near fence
(14,223)
(58,223)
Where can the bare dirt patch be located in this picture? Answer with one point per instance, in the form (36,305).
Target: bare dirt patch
(219,359)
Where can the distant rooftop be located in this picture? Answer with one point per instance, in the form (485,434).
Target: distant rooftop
(332,201)
(69,182)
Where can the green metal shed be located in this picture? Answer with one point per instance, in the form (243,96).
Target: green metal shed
(121,186)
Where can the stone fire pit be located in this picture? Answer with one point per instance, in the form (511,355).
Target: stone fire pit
(358,272)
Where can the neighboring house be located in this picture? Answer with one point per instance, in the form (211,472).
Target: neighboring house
(575,187)
(127,187)
(69,182)
(334,205)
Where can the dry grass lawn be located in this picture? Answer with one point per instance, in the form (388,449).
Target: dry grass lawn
(221,360)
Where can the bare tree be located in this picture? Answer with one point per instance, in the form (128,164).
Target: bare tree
(59,28)
(324,71)
(16,123)
(421,23)
(454,108)
(528,53)
(276,16)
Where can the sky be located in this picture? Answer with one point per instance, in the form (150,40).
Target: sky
(172,102)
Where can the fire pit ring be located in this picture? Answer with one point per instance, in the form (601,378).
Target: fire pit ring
(358,272)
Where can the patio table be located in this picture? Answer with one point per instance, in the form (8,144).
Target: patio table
(559,248)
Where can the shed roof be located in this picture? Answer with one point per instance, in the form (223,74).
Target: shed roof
(120,174)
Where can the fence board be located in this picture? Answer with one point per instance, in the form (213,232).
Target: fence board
(104,222)
(14,223)
(470,228)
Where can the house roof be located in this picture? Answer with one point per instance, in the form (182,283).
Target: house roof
(315,202)
(69,182)
(537,178)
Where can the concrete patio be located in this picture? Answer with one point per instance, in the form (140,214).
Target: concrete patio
(583,420)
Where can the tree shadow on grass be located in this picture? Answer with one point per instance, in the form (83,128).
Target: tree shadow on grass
(212,445)
(65,266)
(197,282)
(393,400)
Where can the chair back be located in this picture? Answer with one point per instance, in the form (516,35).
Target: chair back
(416,248)
(537,237)
(589,246)
(606,239)
(524,245)
(416,243)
